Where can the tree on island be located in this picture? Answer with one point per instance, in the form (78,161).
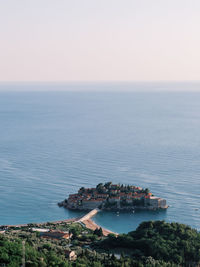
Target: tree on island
(107,185)
(147,191)
(100,188)
(82,189)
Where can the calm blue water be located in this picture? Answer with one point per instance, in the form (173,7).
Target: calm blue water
(52,143)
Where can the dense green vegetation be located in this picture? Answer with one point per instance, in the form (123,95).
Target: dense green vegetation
(10,252)
(169,242)
(158,244)
(48,256)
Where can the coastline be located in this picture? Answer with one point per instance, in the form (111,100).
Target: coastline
(40,223)
(85,220)
(113,197)
(90,224)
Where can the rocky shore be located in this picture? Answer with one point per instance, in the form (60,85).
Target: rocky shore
(113,197)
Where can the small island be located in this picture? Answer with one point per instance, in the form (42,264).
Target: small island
(113,197)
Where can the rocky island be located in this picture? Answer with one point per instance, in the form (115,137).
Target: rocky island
(110,196)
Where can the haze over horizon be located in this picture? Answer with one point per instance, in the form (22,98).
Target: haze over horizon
(99,40)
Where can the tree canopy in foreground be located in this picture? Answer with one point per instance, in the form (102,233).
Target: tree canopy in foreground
(170,242)
(153,243)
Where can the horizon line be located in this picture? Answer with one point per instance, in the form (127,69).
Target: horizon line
(104,81)
(100,86)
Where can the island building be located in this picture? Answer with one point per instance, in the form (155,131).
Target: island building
(113,196)
(155,202)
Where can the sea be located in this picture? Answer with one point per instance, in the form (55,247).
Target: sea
(56,138)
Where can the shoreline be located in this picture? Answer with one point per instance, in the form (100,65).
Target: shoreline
(90,224)
(86,220)
(135,208)
(40,223)
(113,197)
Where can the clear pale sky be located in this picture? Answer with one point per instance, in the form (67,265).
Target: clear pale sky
(99,40)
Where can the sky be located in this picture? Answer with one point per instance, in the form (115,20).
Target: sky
(99,40)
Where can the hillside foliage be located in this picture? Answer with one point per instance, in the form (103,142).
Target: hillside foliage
(170,242)
(157,243)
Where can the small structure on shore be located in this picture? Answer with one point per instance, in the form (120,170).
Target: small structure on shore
(40,230)
(56,234)
(110,196)
(70,255)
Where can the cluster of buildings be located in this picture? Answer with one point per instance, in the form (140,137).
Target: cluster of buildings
(57,235)
(52,234)
(113,196)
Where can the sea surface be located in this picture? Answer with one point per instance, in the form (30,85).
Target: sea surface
(53,142)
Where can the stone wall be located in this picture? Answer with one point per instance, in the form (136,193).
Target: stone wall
(91,204)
